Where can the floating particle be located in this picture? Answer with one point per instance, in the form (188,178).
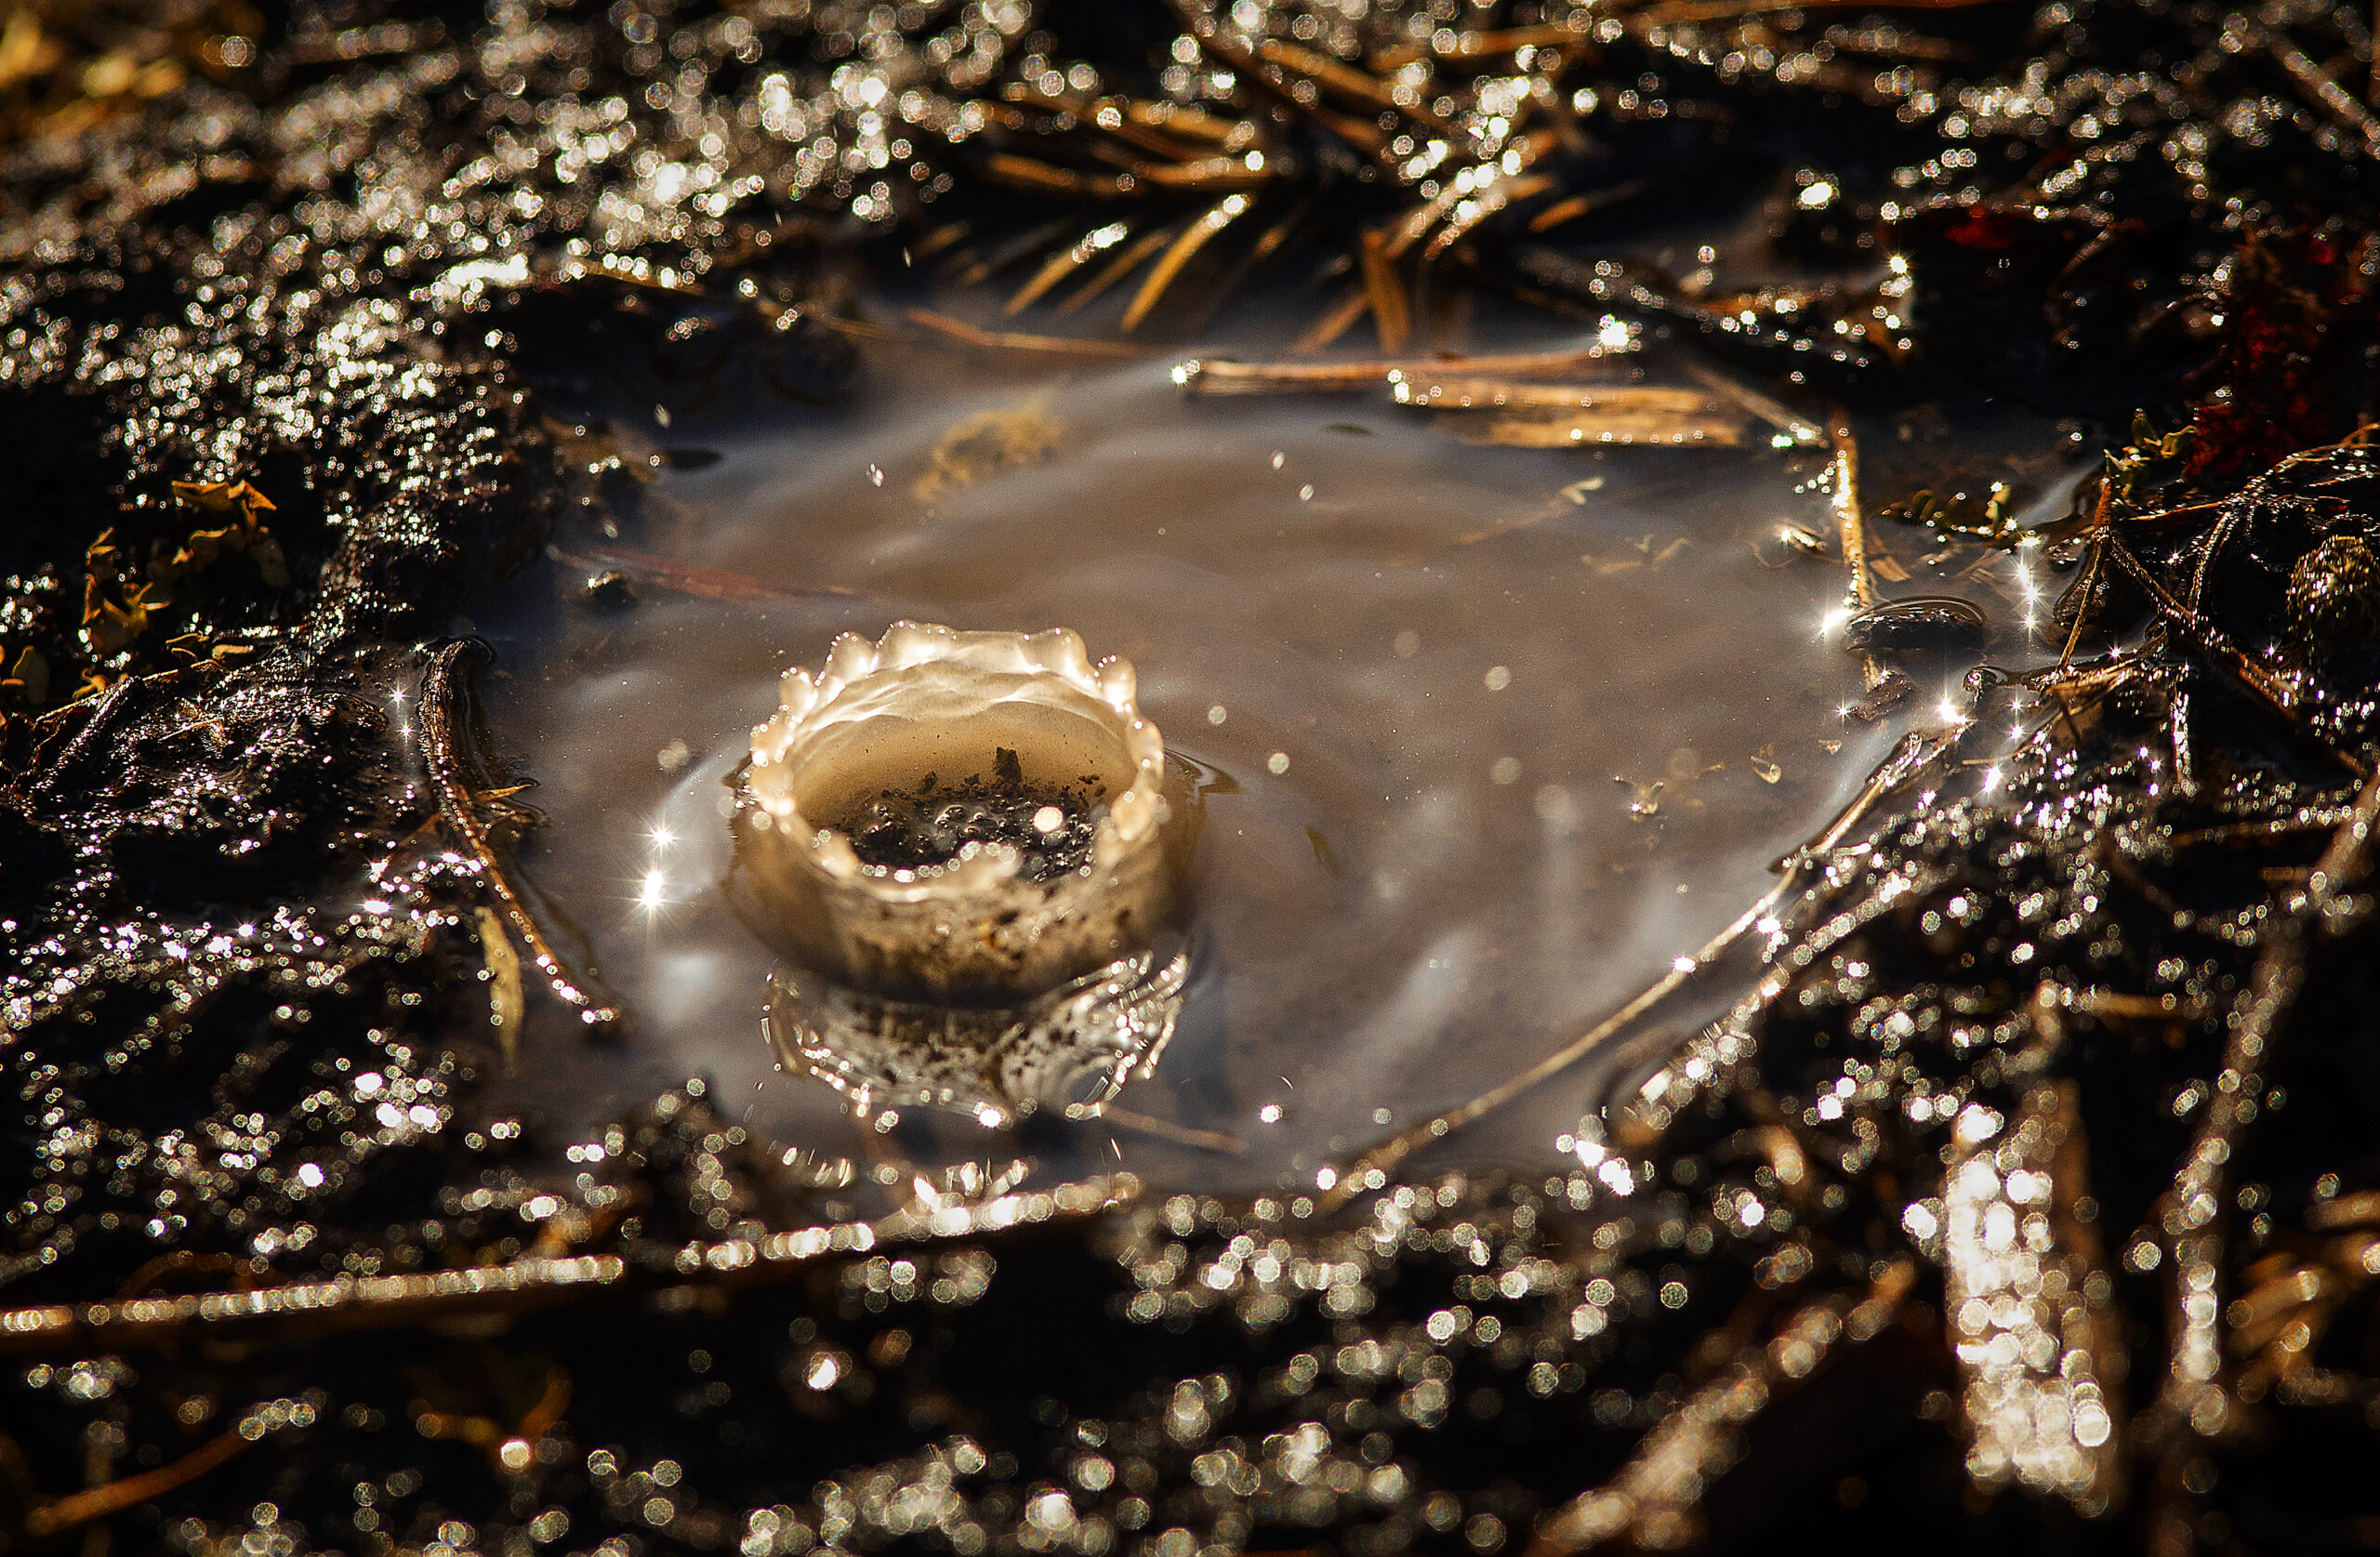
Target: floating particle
(986,443)
(1645,799)
(611,587)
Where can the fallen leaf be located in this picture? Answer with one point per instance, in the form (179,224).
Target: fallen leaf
(504,997)
(1646,799)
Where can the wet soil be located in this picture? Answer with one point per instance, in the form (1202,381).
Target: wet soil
(2024,1201)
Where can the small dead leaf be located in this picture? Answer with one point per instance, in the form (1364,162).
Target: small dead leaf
(108,626)
(246,533)
(1645,799)
(1884,567)
(1887,693)
(28,679)
(504,997)
(1764,763)
(223,497)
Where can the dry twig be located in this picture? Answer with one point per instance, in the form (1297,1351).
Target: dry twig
(442,746)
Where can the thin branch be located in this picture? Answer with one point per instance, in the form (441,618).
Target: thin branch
(1914,752)
(1730,10)
(1470,46)
(1208,176)
(1388,1153)
(1277,81)
(2209,638)
(1065,262)
(1193,238)
(1851,529)
(2211,642)
(1222,376)
(1385,292)
(1774,412)
(351,1303)
(2335,100)
(2191,1211)
(1660,1492)
(115,1498)
(1044,346)
(693,578)
(1133,257)
(442,750)
(2100,529)
(1165,1129)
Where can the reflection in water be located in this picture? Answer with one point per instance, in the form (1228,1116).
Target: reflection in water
(1072,1048)
(1492,734)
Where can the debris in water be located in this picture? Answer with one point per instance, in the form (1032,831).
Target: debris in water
(611,588)
(986,443)
(1617,421)
(1916,622)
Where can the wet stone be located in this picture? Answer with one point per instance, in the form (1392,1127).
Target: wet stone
(1938,623)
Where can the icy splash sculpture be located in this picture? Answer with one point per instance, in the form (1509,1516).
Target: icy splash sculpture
(967,849)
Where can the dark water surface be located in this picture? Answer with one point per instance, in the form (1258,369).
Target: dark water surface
(1493,734)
